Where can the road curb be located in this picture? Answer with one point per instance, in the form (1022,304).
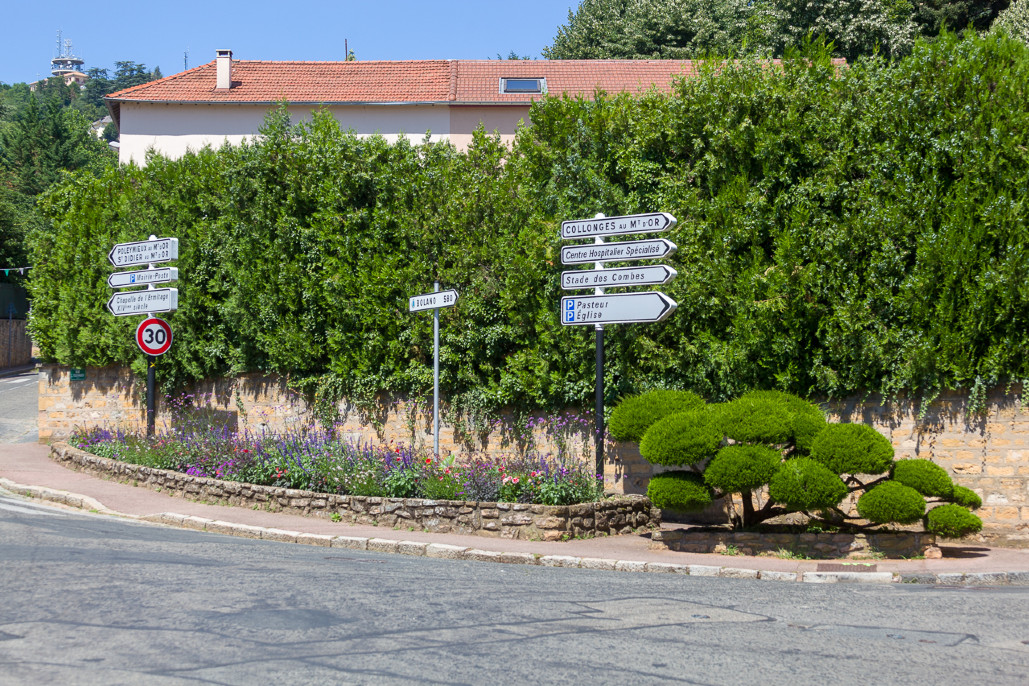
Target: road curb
(453,552)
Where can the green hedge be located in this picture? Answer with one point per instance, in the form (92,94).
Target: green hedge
(631,418)
(840,231)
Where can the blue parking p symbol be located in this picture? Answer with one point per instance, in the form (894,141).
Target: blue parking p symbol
(569,310)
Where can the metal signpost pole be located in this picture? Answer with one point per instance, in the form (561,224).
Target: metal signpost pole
(151,395)
(598,440)
(435,377)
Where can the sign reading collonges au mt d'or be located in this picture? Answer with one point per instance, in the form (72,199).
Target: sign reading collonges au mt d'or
(650,222)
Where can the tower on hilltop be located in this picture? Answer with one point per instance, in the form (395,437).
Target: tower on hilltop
(66,62)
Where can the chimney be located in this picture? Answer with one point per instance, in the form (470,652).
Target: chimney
(224,61)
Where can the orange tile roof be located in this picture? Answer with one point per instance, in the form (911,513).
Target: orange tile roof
(438,81)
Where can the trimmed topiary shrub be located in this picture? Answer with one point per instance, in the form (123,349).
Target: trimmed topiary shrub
(853,449)
(742,468)
(952,521)
(891,502)
(682,439)
(966,497)
(804,484)
(684,491)
(924,476)
(631,418)
(772,418)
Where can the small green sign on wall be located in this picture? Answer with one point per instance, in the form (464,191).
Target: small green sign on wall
(78,374)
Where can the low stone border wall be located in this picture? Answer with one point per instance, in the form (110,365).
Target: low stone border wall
(892,544)
(619,515)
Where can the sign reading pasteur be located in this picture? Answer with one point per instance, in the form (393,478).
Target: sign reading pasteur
(618,308)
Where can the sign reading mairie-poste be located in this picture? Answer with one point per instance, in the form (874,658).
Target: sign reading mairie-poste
(617,226)
(144,252)
(143,277)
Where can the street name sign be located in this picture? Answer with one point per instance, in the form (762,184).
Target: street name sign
(652,249)
(650,275)
(144,252)
(128,303)
(144,277)
(618,226)
(619,308)
(432,301)
(154,336)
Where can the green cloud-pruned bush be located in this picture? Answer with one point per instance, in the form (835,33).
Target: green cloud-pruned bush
(631,418)
(924,476)
(891,502)
(853,449)
(966,497)
(772,418)
(742,468)
(952,521)
(683,491)
(687,438)
(803,484)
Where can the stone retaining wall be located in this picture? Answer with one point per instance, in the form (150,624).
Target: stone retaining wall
(623,514)
(985,449)
(858,546)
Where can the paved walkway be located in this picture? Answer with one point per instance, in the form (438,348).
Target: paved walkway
(26,469)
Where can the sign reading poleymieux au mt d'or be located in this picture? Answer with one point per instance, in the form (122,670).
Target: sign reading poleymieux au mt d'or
(144,252)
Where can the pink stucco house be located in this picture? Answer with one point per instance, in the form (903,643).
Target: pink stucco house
(226,100)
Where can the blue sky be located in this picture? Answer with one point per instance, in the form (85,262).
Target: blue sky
(158,33)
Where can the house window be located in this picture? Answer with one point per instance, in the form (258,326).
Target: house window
(523,86)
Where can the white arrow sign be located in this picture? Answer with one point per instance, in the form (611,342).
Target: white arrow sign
(144,277)
(431,301)
(620,308)
(621,276)
(144,252)
(141,302)
(617,252)
(618,226)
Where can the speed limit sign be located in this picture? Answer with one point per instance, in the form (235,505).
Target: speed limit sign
(154,336)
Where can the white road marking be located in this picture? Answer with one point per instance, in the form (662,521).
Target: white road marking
(5,505)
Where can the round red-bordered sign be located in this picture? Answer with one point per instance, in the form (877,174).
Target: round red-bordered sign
(154,336)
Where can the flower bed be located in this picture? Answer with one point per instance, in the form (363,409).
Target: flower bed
(509,520)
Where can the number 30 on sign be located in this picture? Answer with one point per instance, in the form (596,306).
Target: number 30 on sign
(154,336)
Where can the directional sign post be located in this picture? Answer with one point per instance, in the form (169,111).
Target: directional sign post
(616,308)
(126,303)
(153,336)
(144,252)
(624,251)
(433,301)
(617,226)
(143,277)
(602,308)
(651,275)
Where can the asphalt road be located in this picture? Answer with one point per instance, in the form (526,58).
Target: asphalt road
(19,408)
(88,599)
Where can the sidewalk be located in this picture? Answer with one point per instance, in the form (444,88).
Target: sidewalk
(26,469)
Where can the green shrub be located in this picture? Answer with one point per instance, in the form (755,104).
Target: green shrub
(742,468)
(891,502)
(853,449)
(772,418)
(952,521)
(631,418)
(684,491)
(966,497)
(803,484)
(682,439)
(924,476)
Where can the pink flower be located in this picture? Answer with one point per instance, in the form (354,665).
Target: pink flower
(514,480)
